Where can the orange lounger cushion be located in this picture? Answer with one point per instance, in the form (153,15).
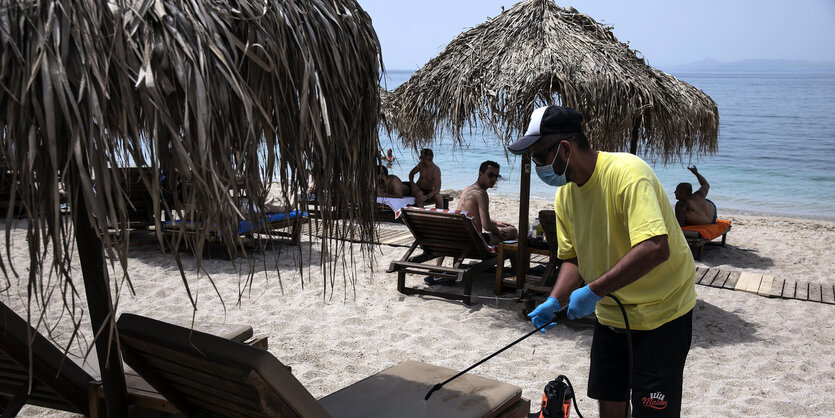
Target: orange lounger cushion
(710,231)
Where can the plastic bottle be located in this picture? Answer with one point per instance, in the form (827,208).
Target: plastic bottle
(539,230)
(535,228)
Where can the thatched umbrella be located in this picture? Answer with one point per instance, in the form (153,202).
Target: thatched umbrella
(175,85)
(537,53)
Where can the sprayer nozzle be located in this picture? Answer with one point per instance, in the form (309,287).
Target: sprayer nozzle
(434,388)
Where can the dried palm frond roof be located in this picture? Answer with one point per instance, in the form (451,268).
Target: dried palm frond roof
(496,73)
(210,95)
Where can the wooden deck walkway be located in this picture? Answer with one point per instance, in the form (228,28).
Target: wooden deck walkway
(758,284)
(766,285)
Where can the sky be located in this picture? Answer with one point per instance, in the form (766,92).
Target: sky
(665,32)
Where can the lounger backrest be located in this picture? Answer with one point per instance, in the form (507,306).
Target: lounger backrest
(60,383)
(140,205)
(446,233)
(548,220)
(205,375)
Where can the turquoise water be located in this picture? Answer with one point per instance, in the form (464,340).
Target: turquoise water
(776,147)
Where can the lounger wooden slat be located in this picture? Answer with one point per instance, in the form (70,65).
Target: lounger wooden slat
(396,391)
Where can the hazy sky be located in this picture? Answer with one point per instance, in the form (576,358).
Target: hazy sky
(666,32)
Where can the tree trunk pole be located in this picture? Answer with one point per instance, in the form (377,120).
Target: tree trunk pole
(100,307)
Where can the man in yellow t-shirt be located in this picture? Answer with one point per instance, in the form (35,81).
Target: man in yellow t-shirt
(617,232)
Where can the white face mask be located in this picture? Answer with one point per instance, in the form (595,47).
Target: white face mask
(548,176)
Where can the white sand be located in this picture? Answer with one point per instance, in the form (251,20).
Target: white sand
(751,356)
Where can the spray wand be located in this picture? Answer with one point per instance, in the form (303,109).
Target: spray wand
(558,316)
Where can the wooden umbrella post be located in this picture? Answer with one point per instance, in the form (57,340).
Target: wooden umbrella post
(100,307)
(524,207)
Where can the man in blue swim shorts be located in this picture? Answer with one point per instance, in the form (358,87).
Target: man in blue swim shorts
(694,208)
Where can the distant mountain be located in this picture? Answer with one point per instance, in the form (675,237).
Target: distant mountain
(753,66)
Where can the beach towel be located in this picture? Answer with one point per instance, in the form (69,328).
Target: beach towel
(243,226)
(710,231)
(246,226)
(396,203)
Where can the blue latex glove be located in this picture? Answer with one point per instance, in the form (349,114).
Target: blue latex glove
(544,313)
(582,302)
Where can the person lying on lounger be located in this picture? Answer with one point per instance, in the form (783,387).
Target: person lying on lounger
(694,208)
(390,185)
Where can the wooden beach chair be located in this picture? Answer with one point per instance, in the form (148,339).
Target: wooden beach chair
(68,382)
(203,375)
(287,225)
(139,202)
(441,233)
(699,235)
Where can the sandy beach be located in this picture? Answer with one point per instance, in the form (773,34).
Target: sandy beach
(750,355)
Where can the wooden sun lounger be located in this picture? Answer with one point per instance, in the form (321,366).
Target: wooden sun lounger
(69,383)
(441,233)
(699,235)
(203,375)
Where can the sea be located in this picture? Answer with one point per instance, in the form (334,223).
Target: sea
(776,151)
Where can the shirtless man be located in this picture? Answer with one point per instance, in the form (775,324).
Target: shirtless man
(428,186)
(694,208)
(389,186)
(475,202)
(388,157)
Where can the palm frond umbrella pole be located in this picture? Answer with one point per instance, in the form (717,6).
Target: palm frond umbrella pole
(86,87)
(537,53)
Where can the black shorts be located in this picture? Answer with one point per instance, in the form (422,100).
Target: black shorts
(658,366)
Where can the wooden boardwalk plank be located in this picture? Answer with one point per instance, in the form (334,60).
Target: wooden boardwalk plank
(748,282)
(765,285)
(742,282)
(815,292)
(789,288)
(719,281)
(700,272)
(802,291)
(733,278)
(754,283)
(777,287)
(828,294)
(708,277)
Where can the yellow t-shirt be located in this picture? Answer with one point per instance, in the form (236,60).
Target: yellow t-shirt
(621,205)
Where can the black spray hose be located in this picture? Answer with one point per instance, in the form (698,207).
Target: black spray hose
(629,349)
(558,316)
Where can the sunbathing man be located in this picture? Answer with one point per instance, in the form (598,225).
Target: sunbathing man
(428,186)
(390,185)
(694,208)
(476,203)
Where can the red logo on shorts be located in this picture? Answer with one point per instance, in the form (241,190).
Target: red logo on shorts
(655,400)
